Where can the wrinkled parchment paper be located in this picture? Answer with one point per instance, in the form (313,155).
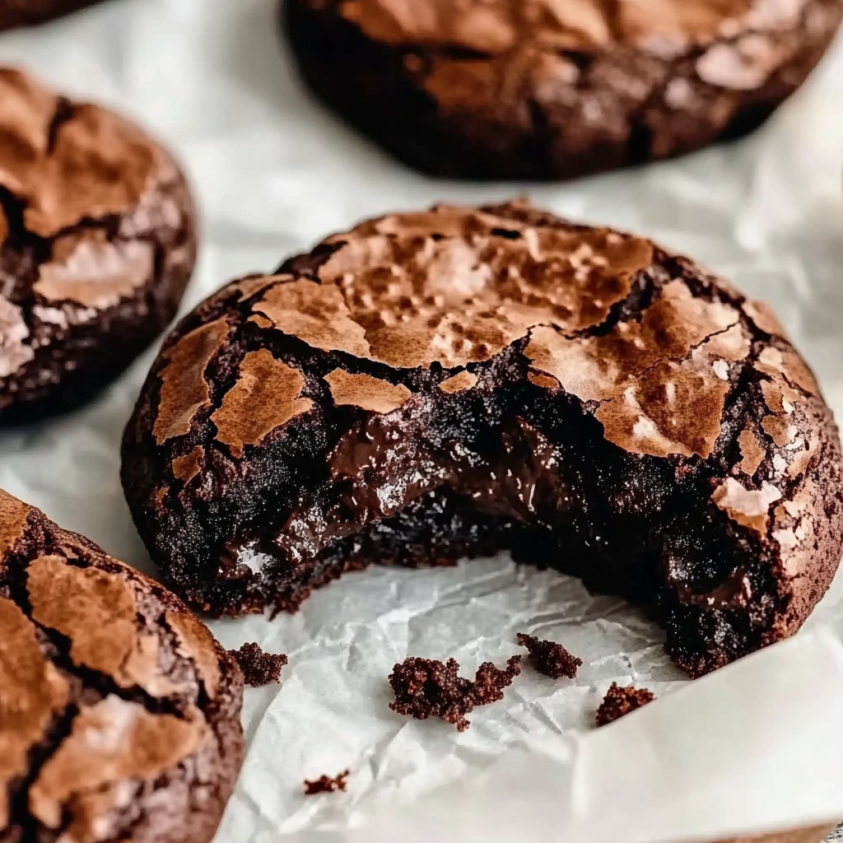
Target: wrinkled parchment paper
(679,769)
(273,172)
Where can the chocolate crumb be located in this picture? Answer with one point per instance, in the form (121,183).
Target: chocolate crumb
(258,668)
(429,688)
(620,701)
(489,681)
(425,688)
(550,658)
(326,784)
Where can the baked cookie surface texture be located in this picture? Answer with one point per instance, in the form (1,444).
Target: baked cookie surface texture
(97,244)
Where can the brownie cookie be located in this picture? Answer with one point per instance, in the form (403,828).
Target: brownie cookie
(119,712)
(453,383)
(536,89)
(15,13)
(97,244)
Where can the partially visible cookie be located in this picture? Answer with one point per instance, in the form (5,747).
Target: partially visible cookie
(15,13)
(540,89)
(97,244)
(119,712)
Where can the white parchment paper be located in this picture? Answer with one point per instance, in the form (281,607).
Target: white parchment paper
(273,173)
(679,770)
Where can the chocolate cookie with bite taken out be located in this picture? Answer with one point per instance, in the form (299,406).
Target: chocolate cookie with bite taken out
(554,89)
(451,383)
(97,244)
(119,712)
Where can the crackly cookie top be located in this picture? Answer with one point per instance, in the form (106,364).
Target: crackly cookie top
(82,204)
(448,287)
(87,642)
(66,162)
(447,290)
(455,286)
(499,26)
(452,286)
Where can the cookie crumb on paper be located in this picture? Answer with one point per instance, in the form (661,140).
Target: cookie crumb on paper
(327,784)
(429,688)
(620,701)
(259,668)
(550,658)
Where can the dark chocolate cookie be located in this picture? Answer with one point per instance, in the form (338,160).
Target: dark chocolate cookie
(97,244)
(534,89)
(119,712)
(15,13)
(452,383)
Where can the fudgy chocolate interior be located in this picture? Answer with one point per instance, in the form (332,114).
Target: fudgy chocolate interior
(260,499)
(512,468)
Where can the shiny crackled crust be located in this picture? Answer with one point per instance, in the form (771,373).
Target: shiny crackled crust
(119,712)
(536,90)
(97,244)
(451,383)
(15,13)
